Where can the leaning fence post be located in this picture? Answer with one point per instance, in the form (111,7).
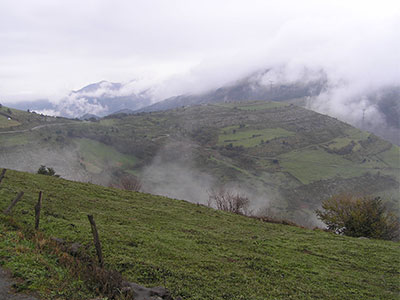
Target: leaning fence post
(96,240)
(3,173)
(38,206)
(9,208)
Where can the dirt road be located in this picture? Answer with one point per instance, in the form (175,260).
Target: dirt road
(6,291)
(33,128)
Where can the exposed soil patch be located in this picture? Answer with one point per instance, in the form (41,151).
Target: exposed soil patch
(6,288)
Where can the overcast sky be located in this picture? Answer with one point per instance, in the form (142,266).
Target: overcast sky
(50,47)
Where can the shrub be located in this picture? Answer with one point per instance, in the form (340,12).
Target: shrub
(227,200)
(47,171)
(359,216)
(128,182)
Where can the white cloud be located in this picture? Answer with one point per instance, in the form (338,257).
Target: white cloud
(49,48)
(73,106)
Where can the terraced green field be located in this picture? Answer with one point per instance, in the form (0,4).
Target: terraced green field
(255,105)
(194,251)
(248,137)
(313,164)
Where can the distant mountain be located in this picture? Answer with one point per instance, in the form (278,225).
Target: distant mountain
(86,117)
(309,88)
(101,98)
(257,86)
(126,111)
(94,87)
(34,105)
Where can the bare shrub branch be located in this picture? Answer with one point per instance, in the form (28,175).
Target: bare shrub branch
(129,183)
(227,200)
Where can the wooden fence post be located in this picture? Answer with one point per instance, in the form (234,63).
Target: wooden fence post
(38,206)
(9,208)
(3,173)
(96,240)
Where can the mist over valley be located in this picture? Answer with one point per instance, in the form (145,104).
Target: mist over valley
(284,158)
(186,150)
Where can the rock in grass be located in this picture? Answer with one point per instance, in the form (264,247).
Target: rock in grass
(142,293)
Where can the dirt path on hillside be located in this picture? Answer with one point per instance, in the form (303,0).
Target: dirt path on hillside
(6,291)
(33,128)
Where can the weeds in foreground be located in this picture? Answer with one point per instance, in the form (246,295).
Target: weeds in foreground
(73,273)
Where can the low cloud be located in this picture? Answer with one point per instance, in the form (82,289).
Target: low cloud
(208,44)
(64,161)
(173,173)
(113,90)
(74,106)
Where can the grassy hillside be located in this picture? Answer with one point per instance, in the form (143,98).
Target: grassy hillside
(195,251)
(14,119)
(281,155)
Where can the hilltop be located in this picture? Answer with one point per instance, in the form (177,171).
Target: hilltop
(310,88)
(17,120)
(285,158)
(194,251)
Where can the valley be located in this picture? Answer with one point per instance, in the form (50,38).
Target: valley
(285,158)
(199,150)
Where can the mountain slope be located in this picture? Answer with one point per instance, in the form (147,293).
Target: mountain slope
(14,119)
(257,86)
(372,109)
(195,251)
(286,159)
(309,89)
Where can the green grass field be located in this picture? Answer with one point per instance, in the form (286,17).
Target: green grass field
(310,165)
(357,134)
(341,142)
(262,106)
(21,120)
(248,137)
(195,251)
(97,156)
(16,139)
(391,157)
(252,105)
(6,123)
